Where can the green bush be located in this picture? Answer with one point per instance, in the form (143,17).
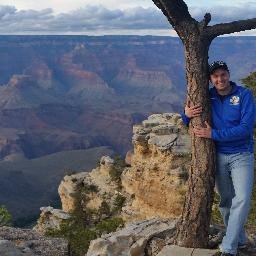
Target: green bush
(118,203)
(76,233)
(108,225)
(252,216)
(216,216)
(104,209)
(250,82)
(79,235)
(80,240)
(118,167)
(5,217)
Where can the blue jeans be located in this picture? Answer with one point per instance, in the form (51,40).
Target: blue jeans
(234,183)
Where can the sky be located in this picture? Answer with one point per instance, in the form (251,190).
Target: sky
(110,17)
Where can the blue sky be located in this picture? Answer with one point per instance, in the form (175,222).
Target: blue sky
(104,17)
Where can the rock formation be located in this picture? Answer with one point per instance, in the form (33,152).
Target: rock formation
(50,219)
(95,189)
(98,185)
(131,240)
(153,182)
(148,188)
(156,181)
(147,238)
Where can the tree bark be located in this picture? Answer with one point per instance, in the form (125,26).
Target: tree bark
(193,226)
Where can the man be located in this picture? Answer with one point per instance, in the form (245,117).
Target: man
(233,114)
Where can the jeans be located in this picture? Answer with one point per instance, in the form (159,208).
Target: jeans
(234,183)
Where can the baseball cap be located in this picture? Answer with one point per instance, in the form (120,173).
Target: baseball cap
(217,65)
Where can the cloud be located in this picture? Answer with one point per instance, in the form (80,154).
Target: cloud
(13,21)
(6,10)
(97,19)
(88,19)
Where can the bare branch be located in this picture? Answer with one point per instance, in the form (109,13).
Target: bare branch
(206,20)
(178,16)
(176,11)
(161,7)
(231,27)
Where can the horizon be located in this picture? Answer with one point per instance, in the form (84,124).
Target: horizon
(118,35)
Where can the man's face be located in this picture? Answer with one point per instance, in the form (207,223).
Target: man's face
(220,79)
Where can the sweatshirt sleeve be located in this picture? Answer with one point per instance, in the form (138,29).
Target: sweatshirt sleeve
(185,119)
(244,129)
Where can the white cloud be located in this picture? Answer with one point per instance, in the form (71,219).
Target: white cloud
(98,19)
(62,6)
(87,19)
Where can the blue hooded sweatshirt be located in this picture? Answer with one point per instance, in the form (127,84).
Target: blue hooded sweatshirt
(233,119)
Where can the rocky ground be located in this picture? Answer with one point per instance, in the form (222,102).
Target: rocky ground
(142,238)
(154,238)
(27,242)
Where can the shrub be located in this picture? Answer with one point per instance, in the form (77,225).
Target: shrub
(108,225)
(119,203)
(104,210)
(252,216)
(216,216)
(5,217)
(250,82)
(116,171)
(79,235)
(76,233)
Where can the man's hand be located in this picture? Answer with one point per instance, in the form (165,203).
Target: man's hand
(203,132)
(193,111)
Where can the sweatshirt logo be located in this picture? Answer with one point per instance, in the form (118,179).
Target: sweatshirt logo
(234,100)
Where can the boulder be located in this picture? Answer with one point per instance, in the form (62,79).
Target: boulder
(130,240)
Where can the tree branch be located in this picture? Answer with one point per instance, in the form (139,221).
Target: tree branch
(231,27)
(206,20)
(178,16)
(176,11)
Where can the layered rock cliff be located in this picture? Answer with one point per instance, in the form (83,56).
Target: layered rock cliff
(148,189)
(156,181)
(98,186)
(151,183)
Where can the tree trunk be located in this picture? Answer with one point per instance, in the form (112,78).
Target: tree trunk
(192,228)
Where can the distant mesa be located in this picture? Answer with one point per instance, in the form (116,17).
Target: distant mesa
(20,81)
(41,73)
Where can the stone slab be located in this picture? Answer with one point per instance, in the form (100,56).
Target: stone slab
(174,250)
(204,252)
